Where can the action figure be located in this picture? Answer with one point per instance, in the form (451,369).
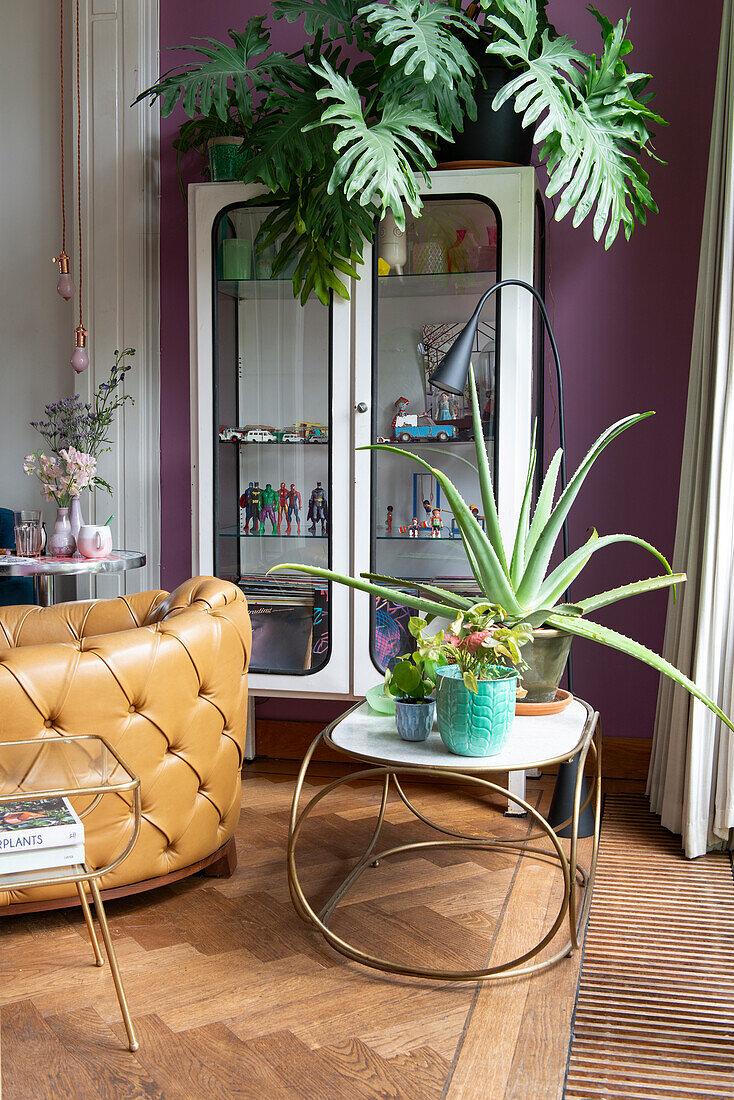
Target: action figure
(269,500)
(282,503)
(388,521)
(401,407)
(246,503)
(414,528)
(427,507)
(293,498)
(447,409)
(474,511)
(255,506)
(317,509)
(436,523)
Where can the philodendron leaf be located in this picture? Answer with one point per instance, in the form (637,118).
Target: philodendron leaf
(422,36)
(596,633)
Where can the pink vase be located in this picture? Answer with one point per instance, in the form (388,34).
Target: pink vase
(76,518)
(62,543)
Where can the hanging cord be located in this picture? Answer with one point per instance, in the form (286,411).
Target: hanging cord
(78,163)
(61,67)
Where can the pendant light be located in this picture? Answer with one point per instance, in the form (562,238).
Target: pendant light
(80,357)
(65,285)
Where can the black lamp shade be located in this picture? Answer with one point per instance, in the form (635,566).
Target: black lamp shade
(452,372)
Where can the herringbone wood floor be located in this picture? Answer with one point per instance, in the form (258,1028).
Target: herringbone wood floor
(232,996)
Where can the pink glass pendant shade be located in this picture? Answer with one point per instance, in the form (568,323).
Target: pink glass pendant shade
(80,358)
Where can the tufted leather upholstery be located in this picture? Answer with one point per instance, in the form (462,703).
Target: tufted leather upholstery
(164,679)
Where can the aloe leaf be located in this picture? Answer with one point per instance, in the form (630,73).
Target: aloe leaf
(557,583)
(527,591)
(491,577)
(461,603)
(523,522)
(613,595)
(489,504)
(594,632)
(404,598)
(544,506)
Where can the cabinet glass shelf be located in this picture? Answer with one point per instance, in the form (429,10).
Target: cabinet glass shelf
(431,285)
(266,535)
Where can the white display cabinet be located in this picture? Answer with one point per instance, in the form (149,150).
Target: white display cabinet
(283,395)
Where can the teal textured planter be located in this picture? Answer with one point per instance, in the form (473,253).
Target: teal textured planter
(474,724)
(414,720)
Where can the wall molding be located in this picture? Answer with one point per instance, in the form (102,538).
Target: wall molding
(120,197)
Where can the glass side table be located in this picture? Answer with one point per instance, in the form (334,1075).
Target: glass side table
(84,770)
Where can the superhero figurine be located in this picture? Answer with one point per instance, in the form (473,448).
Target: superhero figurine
(414,528)
(269,500)
(436,523)
(293,499)
(246,503)
(255,506)
(317,509)
(388,521)
(282,504)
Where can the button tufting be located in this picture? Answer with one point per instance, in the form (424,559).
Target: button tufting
(48,723)
(131,709)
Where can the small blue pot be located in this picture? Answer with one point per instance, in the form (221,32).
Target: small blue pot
(474,723)
(415,720)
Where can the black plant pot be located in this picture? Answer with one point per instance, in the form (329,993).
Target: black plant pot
(561,807)
(496,136)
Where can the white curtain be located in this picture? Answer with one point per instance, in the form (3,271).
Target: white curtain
(691,778)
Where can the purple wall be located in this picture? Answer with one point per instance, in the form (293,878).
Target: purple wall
(623,320)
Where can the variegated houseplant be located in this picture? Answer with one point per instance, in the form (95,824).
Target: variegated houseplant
(521,582)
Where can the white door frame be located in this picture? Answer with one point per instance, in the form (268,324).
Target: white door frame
(120,198)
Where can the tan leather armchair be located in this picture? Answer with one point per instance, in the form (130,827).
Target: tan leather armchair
(164,679)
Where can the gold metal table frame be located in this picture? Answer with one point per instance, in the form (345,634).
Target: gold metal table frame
(95,787)
(575,877)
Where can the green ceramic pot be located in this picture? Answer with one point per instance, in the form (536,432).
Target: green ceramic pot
(474,723)
(546,660)
(227,156)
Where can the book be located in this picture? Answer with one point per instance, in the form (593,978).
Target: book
(34,823)
(39,859)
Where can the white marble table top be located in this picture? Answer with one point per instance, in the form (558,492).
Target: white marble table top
(533,741)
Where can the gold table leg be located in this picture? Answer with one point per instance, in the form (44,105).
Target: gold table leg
(102,918)
(98,960)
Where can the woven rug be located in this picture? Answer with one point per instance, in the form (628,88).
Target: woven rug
(654,1015)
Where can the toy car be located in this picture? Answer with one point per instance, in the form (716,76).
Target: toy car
(317,434)
(411,427)
(290,436)
(260,435)
(232,435)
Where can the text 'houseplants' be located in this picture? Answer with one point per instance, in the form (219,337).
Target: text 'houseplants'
(340,129)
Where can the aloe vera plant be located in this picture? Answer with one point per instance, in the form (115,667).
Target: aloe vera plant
(522,583)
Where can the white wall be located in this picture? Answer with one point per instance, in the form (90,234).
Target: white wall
(36,325)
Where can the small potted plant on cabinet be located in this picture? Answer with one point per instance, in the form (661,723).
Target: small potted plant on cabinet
(411,682)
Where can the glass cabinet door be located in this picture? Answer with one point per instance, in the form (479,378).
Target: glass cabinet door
(272,465)
(427,283)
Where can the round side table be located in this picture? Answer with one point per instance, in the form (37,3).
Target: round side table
(370,738)
(45,569)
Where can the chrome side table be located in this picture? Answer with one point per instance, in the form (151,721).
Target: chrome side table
(84,770)
(45,569)
(372,739)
